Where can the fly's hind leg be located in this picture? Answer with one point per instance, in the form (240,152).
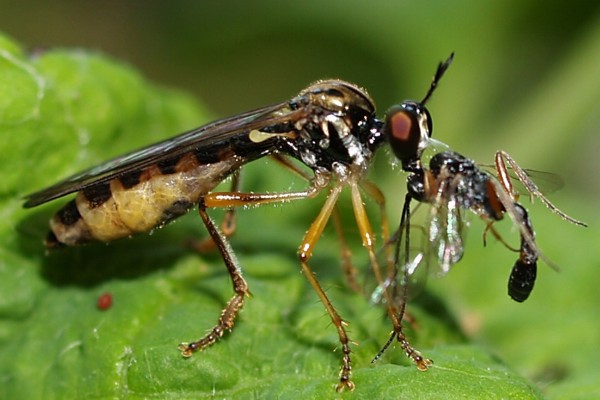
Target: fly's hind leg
(230,200)
(240,288)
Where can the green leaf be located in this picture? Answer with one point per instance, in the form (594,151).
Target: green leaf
(64,110)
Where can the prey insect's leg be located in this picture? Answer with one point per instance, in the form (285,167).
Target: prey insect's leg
(517,214)
(304,254)
(240,288)
(404,264)
(502,158)
(490,228)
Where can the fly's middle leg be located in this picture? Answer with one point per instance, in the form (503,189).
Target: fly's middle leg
(346,255)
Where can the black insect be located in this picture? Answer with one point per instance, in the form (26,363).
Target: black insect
(453,185)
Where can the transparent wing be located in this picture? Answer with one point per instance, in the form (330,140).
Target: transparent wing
(409,270)
(445,233)
(205,136)
(547,182)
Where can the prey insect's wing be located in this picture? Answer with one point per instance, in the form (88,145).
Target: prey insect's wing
(429,240)
(547,182)
(204,136)
(445,227)
(409,268)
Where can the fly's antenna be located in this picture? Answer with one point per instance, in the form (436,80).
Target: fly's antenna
(442,67)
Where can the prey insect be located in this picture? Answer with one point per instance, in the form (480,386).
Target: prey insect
(453,185)
(330,127)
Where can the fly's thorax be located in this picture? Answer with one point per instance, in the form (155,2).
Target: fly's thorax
(340,126)
(335,95)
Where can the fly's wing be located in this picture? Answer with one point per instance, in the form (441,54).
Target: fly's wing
(197,138)
(430,240)
(445,227)
(435,244)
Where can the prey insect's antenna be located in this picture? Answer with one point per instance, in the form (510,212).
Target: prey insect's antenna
(442,67)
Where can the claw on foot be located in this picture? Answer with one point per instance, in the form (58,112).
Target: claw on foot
(345,384)
(423,364)
(186,349)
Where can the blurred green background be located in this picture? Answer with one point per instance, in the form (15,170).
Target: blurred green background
(526,79)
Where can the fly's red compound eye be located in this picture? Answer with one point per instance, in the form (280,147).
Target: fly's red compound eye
(407,128)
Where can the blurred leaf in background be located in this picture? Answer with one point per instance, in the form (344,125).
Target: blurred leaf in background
(525,79)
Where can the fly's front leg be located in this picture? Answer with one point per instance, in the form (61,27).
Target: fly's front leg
(240,288)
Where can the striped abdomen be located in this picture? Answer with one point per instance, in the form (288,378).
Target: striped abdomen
(136,202)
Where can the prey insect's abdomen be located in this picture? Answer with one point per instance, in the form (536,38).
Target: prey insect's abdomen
(135,203)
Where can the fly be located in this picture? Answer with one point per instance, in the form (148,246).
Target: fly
(330,127)
(452,185)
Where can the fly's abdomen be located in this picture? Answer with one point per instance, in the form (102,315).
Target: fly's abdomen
(135,203)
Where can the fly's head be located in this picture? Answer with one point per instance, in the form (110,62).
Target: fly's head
(408,126)
(339,127)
